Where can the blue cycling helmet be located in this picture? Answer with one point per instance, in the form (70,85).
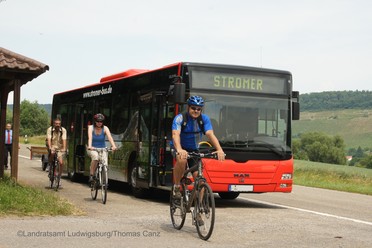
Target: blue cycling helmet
(195,100)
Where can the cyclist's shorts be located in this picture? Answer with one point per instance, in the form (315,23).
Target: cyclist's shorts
(190,162)
(94,155)
(59,153)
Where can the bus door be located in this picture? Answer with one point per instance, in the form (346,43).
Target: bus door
(166,158)
(78,131)
(161,158)
(144,126)
(75,129)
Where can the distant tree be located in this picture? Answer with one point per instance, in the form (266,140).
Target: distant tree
(336,100)
(365,162)
(297,152)
(319,147)
(34,119)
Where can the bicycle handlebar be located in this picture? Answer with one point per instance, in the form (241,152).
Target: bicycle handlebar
(202,155)
(101,149)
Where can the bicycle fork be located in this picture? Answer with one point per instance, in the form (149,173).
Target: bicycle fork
(102,169)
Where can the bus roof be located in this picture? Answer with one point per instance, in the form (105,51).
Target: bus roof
(131,73)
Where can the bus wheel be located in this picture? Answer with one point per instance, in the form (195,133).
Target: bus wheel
(137,191)
(228,195)
(73,176)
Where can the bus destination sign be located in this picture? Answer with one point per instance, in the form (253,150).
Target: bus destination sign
(238,82)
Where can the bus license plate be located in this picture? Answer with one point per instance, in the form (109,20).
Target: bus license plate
(241,188)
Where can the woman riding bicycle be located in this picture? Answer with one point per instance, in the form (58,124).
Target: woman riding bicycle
(187,138)
(96,139)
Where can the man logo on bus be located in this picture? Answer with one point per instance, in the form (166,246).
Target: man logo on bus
(241,176)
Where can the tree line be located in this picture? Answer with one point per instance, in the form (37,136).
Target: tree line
(34,119)
(331,100)
(319,147)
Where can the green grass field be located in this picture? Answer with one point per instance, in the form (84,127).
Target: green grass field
(22,200)
(335,177)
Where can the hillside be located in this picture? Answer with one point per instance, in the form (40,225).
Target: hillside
(344,113)
(353,125)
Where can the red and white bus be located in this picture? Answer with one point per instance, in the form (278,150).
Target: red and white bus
(251,110)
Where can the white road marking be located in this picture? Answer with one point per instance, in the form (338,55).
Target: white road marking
(309,211)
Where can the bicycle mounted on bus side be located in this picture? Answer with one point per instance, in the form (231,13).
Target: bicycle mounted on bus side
(197,198)
(100,179)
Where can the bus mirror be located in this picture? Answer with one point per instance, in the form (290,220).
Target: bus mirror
(295,111)
(179,92)
(295,96)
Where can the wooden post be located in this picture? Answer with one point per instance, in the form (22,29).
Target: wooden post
(16,123)
(4,102)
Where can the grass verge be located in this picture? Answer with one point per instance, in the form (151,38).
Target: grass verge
(20,200)
(335,177)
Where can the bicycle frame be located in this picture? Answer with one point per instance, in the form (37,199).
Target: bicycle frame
(53,169)
(190,195)
(200,198)
(101,175)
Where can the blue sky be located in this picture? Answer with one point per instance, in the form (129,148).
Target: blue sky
(326,44)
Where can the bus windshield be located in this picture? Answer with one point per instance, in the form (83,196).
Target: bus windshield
(241,121)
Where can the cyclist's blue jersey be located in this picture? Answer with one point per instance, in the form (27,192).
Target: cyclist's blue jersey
(191,135)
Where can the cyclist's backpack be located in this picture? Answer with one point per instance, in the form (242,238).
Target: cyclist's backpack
(199,120)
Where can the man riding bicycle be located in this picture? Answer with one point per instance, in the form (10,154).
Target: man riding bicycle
(187,134)
(56,141)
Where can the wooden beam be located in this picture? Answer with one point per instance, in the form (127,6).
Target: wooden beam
(16,124)
(4,101)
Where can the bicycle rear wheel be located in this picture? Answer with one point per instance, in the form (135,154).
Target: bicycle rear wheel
(94,187)
(178,209)
(104,183)
(205,211)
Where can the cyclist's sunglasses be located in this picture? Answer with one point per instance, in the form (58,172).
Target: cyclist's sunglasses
(195,108)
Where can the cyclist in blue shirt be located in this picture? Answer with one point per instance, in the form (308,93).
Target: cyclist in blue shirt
(187,138)
(97,134)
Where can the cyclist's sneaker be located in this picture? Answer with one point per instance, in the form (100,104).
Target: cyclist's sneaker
(176,192)
(91,179)
(199,220)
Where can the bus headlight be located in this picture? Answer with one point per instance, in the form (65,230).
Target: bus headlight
(286,176)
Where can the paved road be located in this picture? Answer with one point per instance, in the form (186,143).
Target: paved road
(305,218)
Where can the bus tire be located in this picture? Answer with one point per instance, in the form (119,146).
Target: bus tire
(229,195)
(136,191)
(73,176)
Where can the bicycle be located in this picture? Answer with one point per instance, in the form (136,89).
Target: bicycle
(54,172)
(100,176)
(200,198)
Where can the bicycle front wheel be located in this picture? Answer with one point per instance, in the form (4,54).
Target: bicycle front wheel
(94,188)
(57,176)
(52,171)
(204,211)
(178,209)
(104,183)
